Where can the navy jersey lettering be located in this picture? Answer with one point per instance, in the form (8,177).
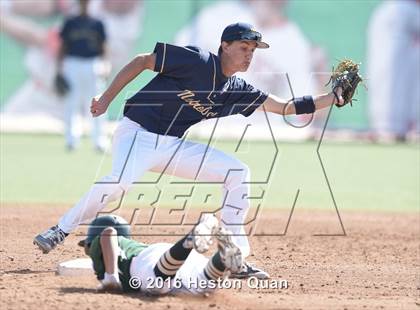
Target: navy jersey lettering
(189,88)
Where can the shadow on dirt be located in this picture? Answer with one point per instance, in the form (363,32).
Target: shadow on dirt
(26,271)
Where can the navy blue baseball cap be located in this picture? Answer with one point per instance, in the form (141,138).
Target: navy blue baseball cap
(243,32)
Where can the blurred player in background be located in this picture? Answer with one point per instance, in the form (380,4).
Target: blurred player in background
(203,31)
(82,58)
(41,48)
(394,70)
(31,8)
(122,20)
(291,52)
(42,43)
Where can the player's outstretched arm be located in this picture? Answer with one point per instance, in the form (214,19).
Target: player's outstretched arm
(280,106)
(140,63)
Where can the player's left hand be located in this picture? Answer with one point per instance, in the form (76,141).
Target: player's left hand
(98,106)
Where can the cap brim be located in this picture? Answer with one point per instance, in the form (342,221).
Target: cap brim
(259,43)
(262,45)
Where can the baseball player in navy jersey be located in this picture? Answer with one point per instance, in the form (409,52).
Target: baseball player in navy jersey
(191,85)
(83,45)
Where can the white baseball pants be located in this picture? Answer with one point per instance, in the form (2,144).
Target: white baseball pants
(135,151)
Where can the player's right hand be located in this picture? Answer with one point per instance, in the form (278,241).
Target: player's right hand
(98,106)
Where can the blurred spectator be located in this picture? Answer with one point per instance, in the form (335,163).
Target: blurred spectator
(83,44)
(207,25)
(35,97)
(290,51)
(394,70)
(29,7)
(46,113)
(122,20)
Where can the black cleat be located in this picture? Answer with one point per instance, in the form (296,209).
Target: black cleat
(248,271)
(49,239)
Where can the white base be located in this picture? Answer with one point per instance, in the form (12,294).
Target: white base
(76,267)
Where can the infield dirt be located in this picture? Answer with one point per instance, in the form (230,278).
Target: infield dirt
(375,266)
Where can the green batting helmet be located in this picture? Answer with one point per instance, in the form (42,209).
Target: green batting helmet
(100,223)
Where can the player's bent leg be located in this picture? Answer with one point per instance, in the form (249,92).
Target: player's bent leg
(236,204)
(130,160)
(199,162)
(100,194)
(229,252)
(202,163)
(215,268)
(227,258)
(236,191)
(201,275)
(199,238)
(173,259)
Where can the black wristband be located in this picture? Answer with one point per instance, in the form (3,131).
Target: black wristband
(304,105)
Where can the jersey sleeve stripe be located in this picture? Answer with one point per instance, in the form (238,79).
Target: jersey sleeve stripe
(252,103)
(214,80)
(163,57)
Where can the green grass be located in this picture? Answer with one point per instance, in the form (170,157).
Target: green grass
(36,169)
